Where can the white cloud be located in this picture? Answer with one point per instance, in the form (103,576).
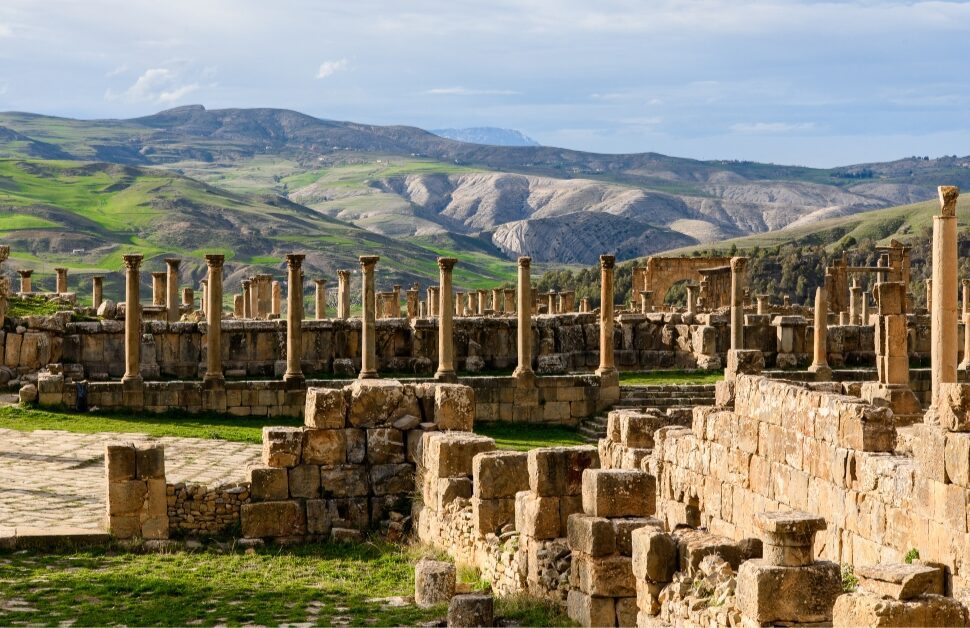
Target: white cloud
(156,85)
(121,69)
(771,127)
(329,68)
(5,30)
(464,91)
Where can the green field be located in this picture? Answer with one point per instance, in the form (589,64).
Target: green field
(670,377)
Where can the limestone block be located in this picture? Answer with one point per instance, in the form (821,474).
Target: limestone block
(150,462)
(929,450)
(624,528)
(489,516)
(324,446)
(626,611)
(268,484)
(392,479)
(603,576)
(557,471)
(450,454)
(745,362)
(124,526)
(770,594)
(694,545)
(375,402)
(345,480)
(619,493)
(304,481)
(471,610)
(860,609)
(27,394)
(953,407)
(537,516)
(454,407)
(349,513)
(120,462)
(500,474)
(593,536)
(126,497)
(788,537)
(326,408)
(866,428)
(282,446)
(957,458)
(318,517)
(655,556)
(552,364)
(434,582)
(587,610)
(385,445)
(899,580)
(439,492)
(356,445)
(273,519)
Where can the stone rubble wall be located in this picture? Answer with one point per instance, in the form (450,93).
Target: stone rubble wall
(200,511)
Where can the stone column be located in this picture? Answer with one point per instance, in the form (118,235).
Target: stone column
(343,294)
(265,297)
(820,362)
(158,288)
(132,320)
(434,301)
(213,364)
(422,310)
(762,300)
(855,303)
(253,297)
(61,280)
(204,299)
(943,316)
(480,306)
(320,299)
(509,307)
(738,267)
(459,303)
(97,291)
(172,288)
(497,300)
(412,297)
(396,307)
(25,280)
(607,262)
(865,308)
(294,317)
(368,359)
(188,297)
(551,302)
(584,305)
(277,305)
(446,340)
(524,323)
(247,298)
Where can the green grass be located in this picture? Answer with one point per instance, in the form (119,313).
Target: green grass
(671,377)
(523,437)
(314,583)
(32,306)
(239,429)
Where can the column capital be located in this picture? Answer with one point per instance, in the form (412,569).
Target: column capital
(447,263)
(369,261)
(215,261)
(607,261)
(97,277)
(173,262)
(159,274)
(739,264)
(525,262)
(25,272)
(132,261)
(948,199)
(343,274)
(294,260)
(320,282)
(246,283)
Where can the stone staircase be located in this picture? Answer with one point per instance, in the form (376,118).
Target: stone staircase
(659,396)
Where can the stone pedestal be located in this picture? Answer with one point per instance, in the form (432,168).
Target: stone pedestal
(368,366)
(97,291)
(789,334)
(61,285)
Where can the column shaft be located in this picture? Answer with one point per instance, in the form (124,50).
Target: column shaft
(607,262)
(132,320)
(213,363)
(368,361)
(524,322)
(943,319)
(294,317)
(446,312)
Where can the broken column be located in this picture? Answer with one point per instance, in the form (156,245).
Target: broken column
(412,297)
(320,299)
(61,280)
(368,359)
(158,288)
(343,294)
(567,302)
(247,294)
(264,295)
(97,291)
(396,302)
(172,288)
(523,368)
(898,595)
(434,301)
(820,360)
(25,286)
(762,301)
(294,318)
(213,334)
(446,311)
(855,304)
(188,297)
(203,302)
(276,304)
(459,303)
(497,300)
(943,331)
(606,367)
(132,320)
(787,584)
(509,307)
(692,299)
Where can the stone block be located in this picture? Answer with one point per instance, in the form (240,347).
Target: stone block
(385,445)
(439,492)
(624,528)
(356,445)
(788,537)
(150,462)
(500,474)
(450,454)
(537,516)
(376,402)
(899,580)
(318,517)
(120,462)
(392,479)
(953,407)
(626,611)
(619,493)
(324,446)
(772,594)
(304,481)
(434,582)
(454,407)
(555,471)
(282,446)
(694,545)
(273,519)
(346,480)
(593,536)
(587,610)
(471,610)
(349,513)
(326,408)
(860,609)
(655,555)
(126,497)
(489,516)
(929,451)
(603,576)
(268,484)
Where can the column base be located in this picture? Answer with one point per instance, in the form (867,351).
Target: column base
(606,371)
(524,375)
(446,376)
(214,378)
(822,372)
(294,379)
(371,374)
(132,380)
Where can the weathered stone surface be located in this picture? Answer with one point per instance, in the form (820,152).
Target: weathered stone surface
(587,610)
(150,462)
(618,493)
(450,454)
(694,545)
(500,474)
(273,519)
(606,576)
(126,497)
(624,528)
(349,513)
(655,557)
(268,484)
(593,536)
(555,471)
(769,593)
(788,536)
(454,407)
(489,516)
(442,491)
(471,610)
(304,481)
(626,611)
(899,580)
(860,609)
(385,445)
(282,446)
(326,408)
(434,582)
(120,462)
(324,446)
(346,480)
(953,407)
(392,479)
(537,516)
(375,402)
(318,517)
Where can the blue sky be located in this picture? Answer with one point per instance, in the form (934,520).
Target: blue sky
(801,82)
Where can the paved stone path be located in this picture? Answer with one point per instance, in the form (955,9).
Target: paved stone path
(56,478)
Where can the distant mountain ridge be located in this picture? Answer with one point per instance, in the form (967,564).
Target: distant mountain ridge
(488,135)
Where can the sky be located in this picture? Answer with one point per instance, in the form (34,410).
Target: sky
(783,81)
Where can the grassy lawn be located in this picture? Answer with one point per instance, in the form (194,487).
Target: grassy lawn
(319,584)
(239,429)
(523,437)
(671,377)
